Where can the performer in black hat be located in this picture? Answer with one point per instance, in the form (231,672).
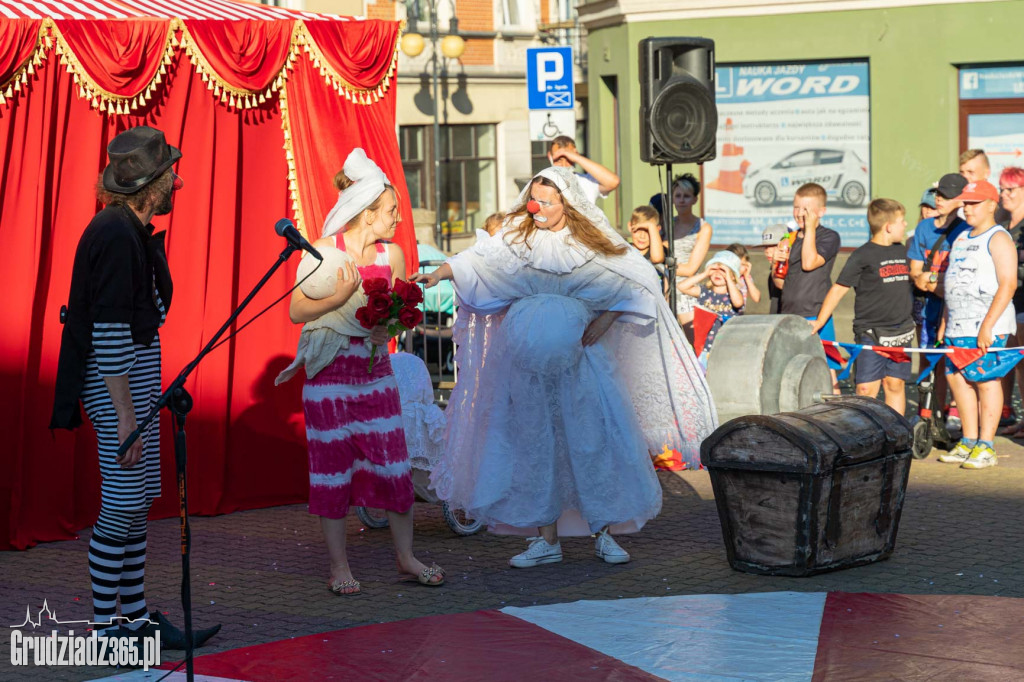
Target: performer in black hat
(110,361)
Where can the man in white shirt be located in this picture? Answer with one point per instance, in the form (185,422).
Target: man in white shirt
(596,180)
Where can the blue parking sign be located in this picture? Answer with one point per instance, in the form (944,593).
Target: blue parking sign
(549,77)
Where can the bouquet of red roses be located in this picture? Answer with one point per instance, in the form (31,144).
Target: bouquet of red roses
(394,307)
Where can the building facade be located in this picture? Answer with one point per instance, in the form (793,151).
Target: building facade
(870,97)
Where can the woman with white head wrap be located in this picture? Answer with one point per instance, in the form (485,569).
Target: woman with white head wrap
(357,449)
(572,370)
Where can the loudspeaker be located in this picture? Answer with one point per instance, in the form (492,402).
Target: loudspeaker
(678,117)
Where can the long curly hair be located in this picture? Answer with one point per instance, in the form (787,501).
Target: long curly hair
(141,199)
(581,229)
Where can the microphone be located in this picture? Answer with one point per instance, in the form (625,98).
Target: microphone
(286,229)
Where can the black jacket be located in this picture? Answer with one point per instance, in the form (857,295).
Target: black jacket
(112,279)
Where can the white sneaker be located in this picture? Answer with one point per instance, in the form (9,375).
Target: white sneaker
(606,548)
(982,457)
(958,455)
(539,552)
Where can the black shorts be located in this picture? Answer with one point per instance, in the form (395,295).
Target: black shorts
(870,366)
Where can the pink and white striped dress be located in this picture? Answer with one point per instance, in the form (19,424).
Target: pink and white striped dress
(357,451)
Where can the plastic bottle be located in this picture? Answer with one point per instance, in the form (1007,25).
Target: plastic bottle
(781,267)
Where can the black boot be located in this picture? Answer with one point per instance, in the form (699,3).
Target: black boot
(172,637)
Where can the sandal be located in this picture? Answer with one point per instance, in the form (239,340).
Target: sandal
(346,588)
(427,576)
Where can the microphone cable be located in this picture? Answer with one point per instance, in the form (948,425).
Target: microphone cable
(267,309)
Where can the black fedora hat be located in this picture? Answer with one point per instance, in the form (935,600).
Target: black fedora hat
(138,156)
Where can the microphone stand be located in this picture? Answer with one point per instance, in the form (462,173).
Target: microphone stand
(180,403)
(670,257)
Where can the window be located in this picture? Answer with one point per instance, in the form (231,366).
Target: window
(831,156)
(410,143)
(417,14)
(539,155)
(469,172)
(516,12)
(805,158)
(992,113)
(539,149)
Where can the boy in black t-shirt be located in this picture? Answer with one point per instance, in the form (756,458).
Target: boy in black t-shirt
(811,257)
(883,309)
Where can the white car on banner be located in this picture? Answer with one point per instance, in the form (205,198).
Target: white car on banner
(842,173)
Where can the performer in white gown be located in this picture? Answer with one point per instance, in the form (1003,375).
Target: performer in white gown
(572,371)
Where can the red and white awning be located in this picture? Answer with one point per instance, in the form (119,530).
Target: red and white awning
(217,10)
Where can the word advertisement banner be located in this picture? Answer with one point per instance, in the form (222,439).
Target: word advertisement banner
(783,125)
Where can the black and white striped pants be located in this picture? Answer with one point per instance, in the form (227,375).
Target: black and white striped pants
(125,493)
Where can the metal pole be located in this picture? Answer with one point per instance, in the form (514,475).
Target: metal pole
(670,233)
(437,126)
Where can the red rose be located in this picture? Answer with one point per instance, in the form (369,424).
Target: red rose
(410,317)
(415,295)
(379,303)
(410,293)
(366,318)
(400,288)
(375,285)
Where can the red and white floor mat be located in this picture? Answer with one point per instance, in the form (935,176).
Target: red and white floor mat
(762,636)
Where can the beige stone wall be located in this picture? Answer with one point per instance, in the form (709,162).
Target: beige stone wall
(347,8)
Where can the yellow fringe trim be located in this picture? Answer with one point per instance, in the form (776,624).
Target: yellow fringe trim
(103,100)
(289,154)
(50,38)
(335,80)
(11,88)
(229,95)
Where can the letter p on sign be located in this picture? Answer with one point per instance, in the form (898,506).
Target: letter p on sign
(549,68)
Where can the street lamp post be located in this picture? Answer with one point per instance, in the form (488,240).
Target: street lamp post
(452,47)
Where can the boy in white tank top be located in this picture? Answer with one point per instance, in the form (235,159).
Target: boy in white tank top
(980,283)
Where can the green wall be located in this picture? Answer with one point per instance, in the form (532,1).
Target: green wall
(913,54)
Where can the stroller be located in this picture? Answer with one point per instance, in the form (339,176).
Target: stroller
(424,435)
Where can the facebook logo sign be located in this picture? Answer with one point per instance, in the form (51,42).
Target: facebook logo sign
(549,77)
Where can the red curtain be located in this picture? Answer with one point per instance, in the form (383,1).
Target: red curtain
(122,57)
(17,41)
(246,54)
(354,49)
(246,437)
(325,128)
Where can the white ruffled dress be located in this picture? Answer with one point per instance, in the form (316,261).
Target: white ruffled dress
(541,428)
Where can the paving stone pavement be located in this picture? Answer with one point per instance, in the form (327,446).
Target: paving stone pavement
(263,573)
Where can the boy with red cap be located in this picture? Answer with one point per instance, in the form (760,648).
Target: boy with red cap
(980,282)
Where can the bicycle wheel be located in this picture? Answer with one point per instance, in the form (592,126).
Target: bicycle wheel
(372,518)
(459,522)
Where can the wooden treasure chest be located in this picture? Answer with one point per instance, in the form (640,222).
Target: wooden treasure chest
(803,492)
